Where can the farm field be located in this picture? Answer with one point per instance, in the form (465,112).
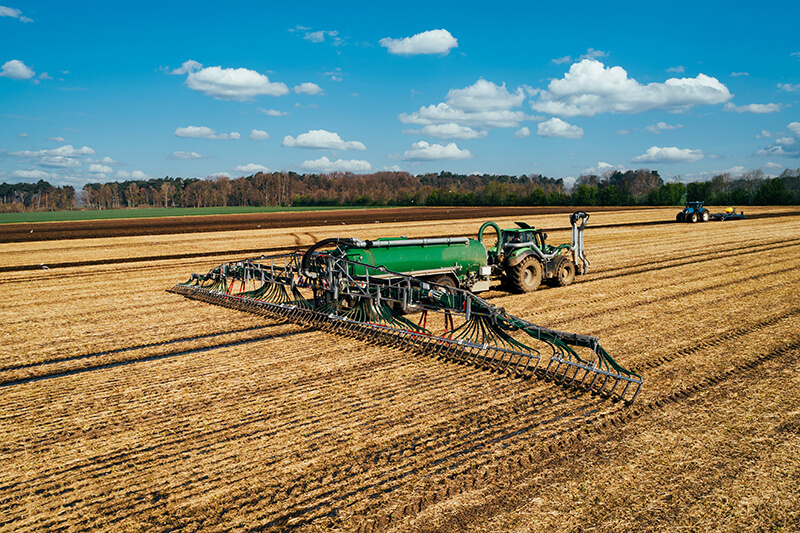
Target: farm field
(128,408)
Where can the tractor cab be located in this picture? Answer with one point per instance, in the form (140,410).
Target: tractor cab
(523,236)
(515,241)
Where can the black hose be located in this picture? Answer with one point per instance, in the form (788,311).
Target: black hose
(306,261)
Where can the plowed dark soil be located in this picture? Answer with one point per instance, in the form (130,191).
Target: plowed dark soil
(48,231)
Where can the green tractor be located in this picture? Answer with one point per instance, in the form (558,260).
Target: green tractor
(522,259)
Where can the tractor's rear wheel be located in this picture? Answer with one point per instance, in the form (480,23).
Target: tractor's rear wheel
(527,275)
(565,272)
(704,216)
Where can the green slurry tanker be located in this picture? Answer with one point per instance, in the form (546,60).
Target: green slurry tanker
(521,258)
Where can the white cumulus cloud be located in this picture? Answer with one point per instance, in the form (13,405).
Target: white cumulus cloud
(774,150)
(187,67)
(656,154)
(65,156)
(272,112)
(185,155)
(323,164)
(485,96)
(451,131)
(16,70)
(522,132)
(96,168)
(555,127)
(258,135)
(30,174)
(204,132)
(779,147)
(590,88)
(59,161)
(250,168)
(752,108)
(319,36)
(62,151)
(601,168)
(482,105)
(321,140)
(429,42)
(105,161)
(658,127)
(309,88)
(422,151)
(788,87)
(134,175)
(13,13)
(229,83)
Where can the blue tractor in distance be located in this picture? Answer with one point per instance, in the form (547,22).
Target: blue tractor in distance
(693,212)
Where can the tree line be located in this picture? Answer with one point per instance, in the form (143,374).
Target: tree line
(39,196)
(612,188)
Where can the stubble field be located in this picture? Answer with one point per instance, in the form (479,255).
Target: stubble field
(127,408)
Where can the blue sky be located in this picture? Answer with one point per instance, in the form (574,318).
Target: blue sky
(96,91)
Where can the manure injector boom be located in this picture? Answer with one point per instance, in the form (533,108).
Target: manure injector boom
(326,289)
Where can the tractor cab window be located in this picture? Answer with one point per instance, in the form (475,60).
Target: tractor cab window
(515,237)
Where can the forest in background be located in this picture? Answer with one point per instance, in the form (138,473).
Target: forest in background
(613,188)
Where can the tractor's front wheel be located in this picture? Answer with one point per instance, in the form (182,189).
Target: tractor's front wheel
(679,217)
(527,275)
(565,272)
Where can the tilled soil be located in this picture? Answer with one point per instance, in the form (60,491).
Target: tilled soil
(127,407)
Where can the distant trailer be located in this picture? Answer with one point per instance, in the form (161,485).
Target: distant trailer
(729,214)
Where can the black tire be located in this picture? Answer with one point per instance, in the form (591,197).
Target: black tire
(679,217)
(564,272)
(445,280)
(704,216)
(527,275)
(692,218)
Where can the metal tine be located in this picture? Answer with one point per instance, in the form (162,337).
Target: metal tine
(490,362)
(477,356)
(467,352)
(611,392)
(566,379)
(601,386)
(508,363)
(449,347)
(480,355)
(548,376)
(624,390)
(561,371)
